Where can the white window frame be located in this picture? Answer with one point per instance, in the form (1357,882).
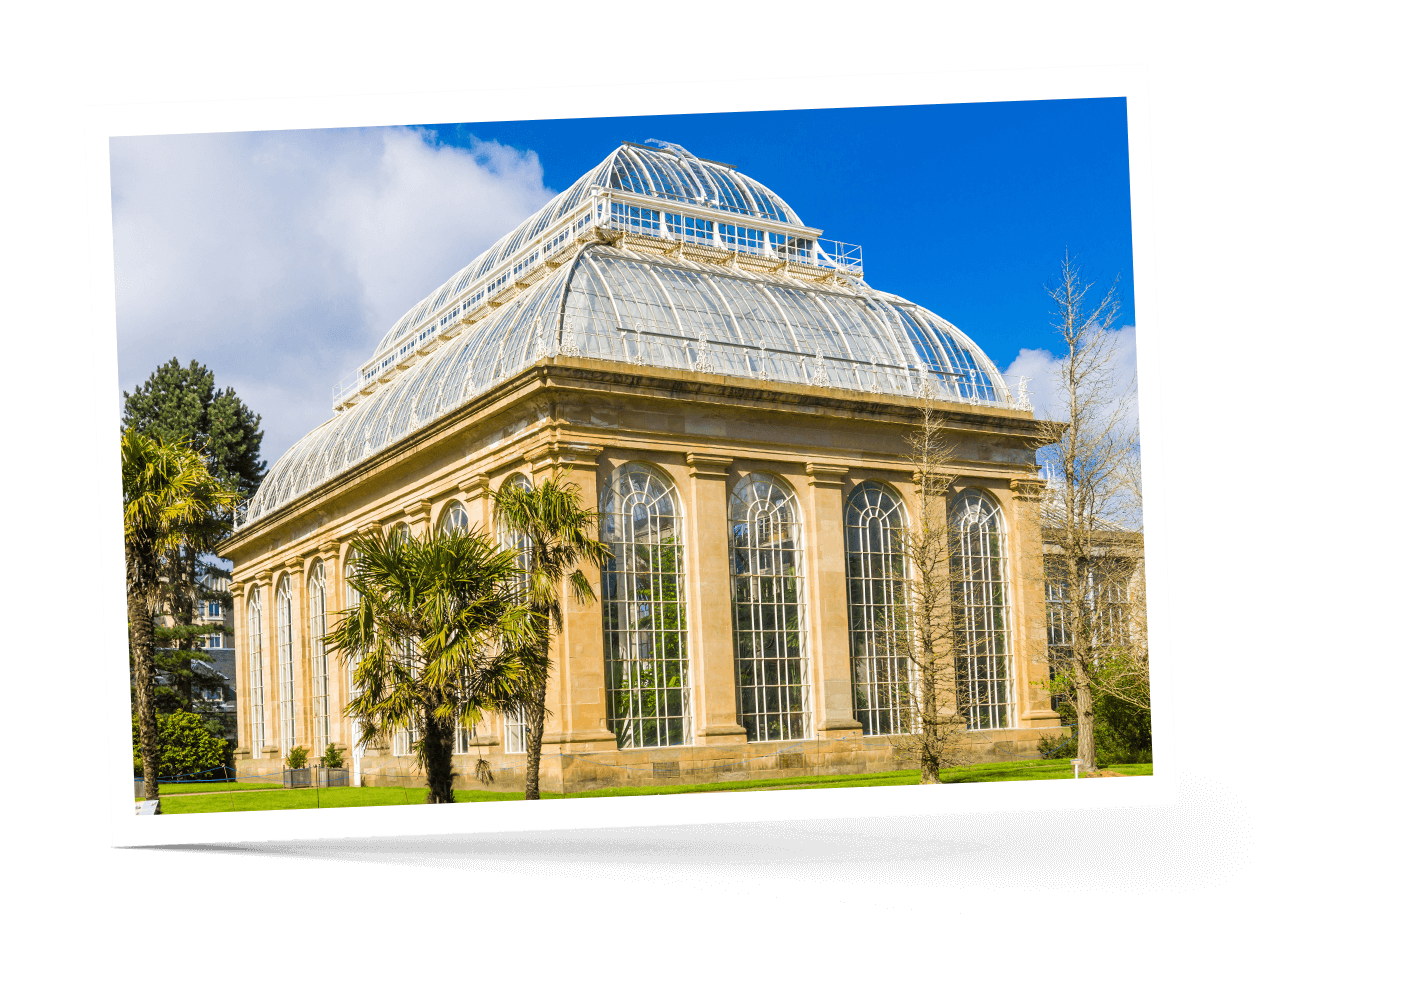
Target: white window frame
(647,665)
(771,531)
(882,678)
(983,631)
(284,620)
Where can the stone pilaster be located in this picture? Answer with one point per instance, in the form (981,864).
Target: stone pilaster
(1030,669)
(268,650)
(476,495)
(827,626)
(714,698)
(240,624)
(300,651)
(577,691)
(336,592)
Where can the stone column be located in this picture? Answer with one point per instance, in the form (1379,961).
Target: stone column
(577,691)
(714,698)
(828,631)
(1029,608)
(240,638)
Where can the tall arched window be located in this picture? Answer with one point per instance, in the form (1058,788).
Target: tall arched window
(255,620)
(455,519)
(400,532)
(882,691)
(770,646)
(284,618)
(982,643)
(317,636)
(643,609)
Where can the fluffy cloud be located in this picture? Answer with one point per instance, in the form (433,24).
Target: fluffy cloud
(279,259)
(1044,388)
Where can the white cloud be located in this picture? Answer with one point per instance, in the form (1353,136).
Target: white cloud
(1044,388)
(279,259)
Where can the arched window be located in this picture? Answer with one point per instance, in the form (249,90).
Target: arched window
(882,690)
(455,519)
(317,635)
(284,617)
(643,609)
(982,643)
(255,620)
(400,532)
(770,646)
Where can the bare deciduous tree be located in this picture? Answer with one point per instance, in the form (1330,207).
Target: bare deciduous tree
(1091,559)
(925,632)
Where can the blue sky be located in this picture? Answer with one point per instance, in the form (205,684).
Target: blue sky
(279,259)
(964,208)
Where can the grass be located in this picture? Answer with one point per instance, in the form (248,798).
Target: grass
(171,789)
(262,797)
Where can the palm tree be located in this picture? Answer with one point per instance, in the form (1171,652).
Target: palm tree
(552,532)
(170,501)
(434,636)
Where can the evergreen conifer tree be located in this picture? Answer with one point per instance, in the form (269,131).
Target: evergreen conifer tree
(182,402)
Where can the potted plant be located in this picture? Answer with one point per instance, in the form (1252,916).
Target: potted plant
(332,773)
(297,774)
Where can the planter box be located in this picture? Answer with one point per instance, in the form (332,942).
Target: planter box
(300,779)
(333,777)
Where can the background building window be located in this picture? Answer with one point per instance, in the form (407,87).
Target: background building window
(256,649)
(982,644)
(284,616)
(643,609)
(770,647)
(515,732)
(882,694)
(317,635)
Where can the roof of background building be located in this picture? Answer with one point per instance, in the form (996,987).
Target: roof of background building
(650,291)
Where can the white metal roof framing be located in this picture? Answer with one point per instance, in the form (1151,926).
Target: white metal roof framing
(555,285)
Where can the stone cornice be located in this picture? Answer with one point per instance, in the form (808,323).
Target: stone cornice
(475,486)
(826,474)
(418,512)
(941,479)
(708,466)
(585,375)
(1027,488)
(555,454)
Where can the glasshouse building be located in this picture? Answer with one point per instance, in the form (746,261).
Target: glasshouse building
(722,383)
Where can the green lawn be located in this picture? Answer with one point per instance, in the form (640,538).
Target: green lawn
(378,796)
(170,789)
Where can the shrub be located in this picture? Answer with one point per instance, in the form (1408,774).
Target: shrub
(298,757)
(1122,732)
(332,758)
(185,745)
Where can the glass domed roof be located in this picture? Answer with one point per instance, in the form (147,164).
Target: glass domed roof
(654,258)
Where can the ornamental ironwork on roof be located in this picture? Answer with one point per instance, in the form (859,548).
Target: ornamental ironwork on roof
(654,258)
